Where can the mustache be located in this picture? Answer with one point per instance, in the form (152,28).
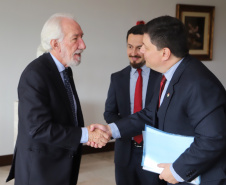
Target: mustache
(135,56)
(79,51)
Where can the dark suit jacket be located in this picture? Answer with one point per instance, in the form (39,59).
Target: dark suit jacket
(48,149)
(194,105)
(117,106)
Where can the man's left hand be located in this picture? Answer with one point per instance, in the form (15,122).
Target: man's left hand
(97,137)
(166,173)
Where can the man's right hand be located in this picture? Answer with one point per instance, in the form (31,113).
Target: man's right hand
(99,135)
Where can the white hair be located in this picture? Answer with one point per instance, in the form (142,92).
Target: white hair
(52,29)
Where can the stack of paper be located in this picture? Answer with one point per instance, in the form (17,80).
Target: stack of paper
(163,147)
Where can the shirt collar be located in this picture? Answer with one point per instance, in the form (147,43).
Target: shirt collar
(60,66)
(144,69)
(170,72)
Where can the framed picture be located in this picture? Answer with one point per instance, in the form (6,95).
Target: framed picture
(199,22)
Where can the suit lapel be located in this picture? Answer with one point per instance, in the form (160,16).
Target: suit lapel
(79,110)
(170,92)
(155,100)
(153,78)
(149,89)
(125,84)
(57,80)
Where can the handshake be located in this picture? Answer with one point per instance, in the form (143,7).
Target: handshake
(99,135)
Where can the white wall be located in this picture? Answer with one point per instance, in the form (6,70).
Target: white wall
(105,23)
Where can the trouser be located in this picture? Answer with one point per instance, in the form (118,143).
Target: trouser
(133,174)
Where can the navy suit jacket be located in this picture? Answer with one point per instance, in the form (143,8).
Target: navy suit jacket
(117,106)
(194,105)
(48,148)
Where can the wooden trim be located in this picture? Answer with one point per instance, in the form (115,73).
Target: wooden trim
(7,159)
(89,150)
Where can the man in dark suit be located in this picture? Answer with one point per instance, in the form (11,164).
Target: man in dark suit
(120,103)
(193,103)
(48,147)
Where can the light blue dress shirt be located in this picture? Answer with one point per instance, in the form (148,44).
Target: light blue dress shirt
(169,75)
(61,68)
(133,80)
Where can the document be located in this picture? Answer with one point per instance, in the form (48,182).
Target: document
(163,147)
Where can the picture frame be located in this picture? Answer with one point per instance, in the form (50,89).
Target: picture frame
(199,22)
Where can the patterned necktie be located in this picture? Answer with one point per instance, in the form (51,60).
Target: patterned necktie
(138,101)
(162,85)
(70,94)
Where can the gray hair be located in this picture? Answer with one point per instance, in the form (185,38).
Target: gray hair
(52,29)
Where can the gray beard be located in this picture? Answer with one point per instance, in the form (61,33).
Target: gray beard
(73,63)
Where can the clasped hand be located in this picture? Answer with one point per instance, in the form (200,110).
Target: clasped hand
(99,135)
(166,173)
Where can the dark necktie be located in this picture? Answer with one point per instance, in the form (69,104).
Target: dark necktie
(162,85)
(70,94)
(138,101)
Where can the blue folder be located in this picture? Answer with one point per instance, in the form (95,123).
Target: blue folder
(163,147)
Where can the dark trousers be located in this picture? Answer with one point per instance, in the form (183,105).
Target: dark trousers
(217,182)
(133,174)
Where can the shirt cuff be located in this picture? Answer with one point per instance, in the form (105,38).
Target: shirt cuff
(176,176)
(114,130)
(84,138)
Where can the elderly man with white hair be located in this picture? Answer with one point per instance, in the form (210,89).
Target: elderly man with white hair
(51,127)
